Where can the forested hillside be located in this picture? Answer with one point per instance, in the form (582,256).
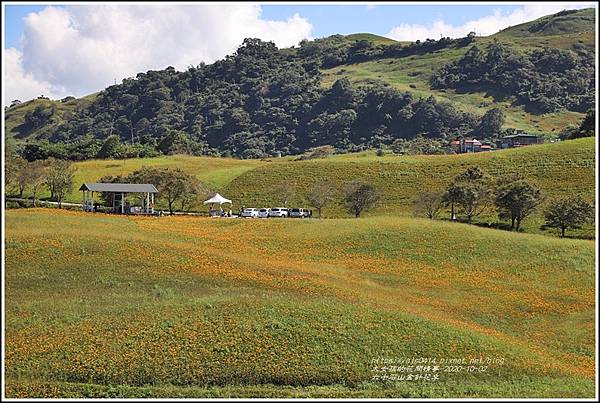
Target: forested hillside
(266,101)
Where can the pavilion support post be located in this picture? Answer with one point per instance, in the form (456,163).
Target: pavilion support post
(83,200)
(92,206)
(122,203)
(147,202)
(152,203)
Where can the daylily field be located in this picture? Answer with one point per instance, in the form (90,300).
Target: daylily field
(112,306)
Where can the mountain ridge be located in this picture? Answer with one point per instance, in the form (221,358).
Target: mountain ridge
(361,59)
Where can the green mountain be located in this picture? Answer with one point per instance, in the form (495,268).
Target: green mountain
(562,23)
(353,92)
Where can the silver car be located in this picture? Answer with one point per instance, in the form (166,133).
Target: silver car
(298,213)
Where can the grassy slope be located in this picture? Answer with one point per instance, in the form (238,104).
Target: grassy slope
(579,21)
(412,73)
(376,39)
(113,306)
(252,182)
(15,116)
(559,169)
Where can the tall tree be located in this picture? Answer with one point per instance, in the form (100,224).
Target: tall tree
(516,199)
(37,177)
(359,196)
(491,123)
(60,179)
(428,204)
(474,192)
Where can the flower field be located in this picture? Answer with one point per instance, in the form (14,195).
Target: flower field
(107,306)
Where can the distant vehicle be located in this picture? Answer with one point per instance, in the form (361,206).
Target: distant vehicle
(300,213)
(278,212)
(263,213)
(250,212)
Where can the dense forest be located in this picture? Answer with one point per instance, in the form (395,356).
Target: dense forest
(543,80)
(264,101)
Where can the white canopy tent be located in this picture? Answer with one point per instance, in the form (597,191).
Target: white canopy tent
(217,199)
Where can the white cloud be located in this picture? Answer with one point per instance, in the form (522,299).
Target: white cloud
(81,49)
(483,26)
(19,84)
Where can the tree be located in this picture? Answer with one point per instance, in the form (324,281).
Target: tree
(568,213)
(491,123)
(515,199)
(428,204)
(172,184)
(37,177)
(195,192)
(587,127)
(472,190)
(286,191)
(16,173)
(12,166)
(359,196)
(322,193)
(451,198)
(112,148)
(60,179)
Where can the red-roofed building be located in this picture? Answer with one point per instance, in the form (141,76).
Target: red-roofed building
(470,146)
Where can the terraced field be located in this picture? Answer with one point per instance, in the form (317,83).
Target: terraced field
(107,306)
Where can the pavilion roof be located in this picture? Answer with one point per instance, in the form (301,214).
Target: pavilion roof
(120,187)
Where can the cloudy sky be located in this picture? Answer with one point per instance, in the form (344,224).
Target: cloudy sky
(59,50)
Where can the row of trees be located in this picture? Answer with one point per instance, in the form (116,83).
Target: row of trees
(473,193)
(338,50)
(57,176)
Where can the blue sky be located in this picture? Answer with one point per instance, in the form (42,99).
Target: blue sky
(80,49)
(325,19)
(347,19)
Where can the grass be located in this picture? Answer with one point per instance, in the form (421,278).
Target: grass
(576,22)
(553,167)
(110,306)
(375,39)
(15,116)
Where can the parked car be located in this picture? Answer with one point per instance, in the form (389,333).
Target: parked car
(299,213)
(263,213)
(250,212)
(278,212)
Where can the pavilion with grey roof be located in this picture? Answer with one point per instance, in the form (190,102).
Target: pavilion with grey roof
(118,191)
